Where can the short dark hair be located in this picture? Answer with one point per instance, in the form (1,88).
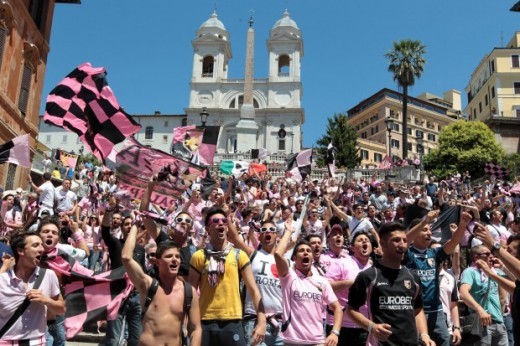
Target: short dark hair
(46,221)
(298,244)
(211,212)
(47,176)
(387,228)
(18,240)
(166,245)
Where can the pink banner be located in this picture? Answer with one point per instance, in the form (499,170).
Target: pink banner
(136,164)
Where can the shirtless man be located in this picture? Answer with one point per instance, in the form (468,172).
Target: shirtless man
(162,322)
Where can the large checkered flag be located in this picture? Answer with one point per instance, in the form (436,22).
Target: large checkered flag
(496,171)
(83,103)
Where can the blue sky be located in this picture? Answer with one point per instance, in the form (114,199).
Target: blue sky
(146,46)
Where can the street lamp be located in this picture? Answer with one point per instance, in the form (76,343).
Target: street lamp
(81,149)
(420,151)
(389,122)
(204,116)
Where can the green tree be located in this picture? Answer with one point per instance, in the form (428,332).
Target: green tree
(512,162)
(464,146)
(406,63)
(344,137)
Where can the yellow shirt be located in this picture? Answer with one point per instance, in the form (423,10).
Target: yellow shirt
(223,301)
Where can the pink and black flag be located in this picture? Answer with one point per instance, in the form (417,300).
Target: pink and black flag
(16,151)
(299,165)
(89,298)
(209,145)
(83,103)
(195,144)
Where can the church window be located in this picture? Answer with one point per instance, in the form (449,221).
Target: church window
(25,88)
(283,65)
(207,66)
(281,145)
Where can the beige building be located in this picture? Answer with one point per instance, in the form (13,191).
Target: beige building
(427,115)
(25,29)
(494,94)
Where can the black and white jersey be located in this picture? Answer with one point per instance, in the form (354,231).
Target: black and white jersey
(392,295)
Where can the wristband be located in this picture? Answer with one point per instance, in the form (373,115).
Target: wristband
(335,332)
(370,326)
(457,327)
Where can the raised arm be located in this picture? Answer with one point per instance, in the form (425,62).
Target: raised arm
(279,255)
(510,261)
(136,274)
(414,232)
(235,238)
(456,238)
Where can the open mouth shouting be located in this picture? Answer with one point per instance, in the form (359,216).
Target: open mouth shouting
(306,260)
(48,241)
(268,237)
(174,266)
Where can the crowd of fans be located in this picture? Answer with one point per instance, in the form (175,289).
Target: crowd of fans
(317,262)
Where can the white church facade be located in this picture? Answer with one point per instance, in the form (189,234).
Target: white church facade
(250,111)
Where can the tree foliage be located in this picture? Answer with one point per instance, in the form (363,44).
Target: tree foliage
(464,146)
(512,162)
(344,137)
(406,62)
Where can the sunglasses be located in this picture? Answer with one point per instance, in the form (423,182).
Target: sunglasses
(185,219)
(151,254)
(267,229)
(216,220)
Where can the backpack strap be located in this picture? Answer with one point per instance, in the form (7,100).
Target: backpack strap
(149,297)
(188,297)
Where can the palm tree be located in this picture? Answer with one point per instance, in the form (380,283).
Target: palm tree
(406,62)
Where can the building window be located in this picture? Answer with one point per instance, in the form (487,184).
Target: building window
(517,87)
(409,145)
(207,66)
(284,63)
(492,65)
(47,138)
(394,143)
(439,128)
(378,157)
(148,134)
(364,135)
(517,111)
(431,137)
(281,145)
(2,43)
(11,173)
(395,127)
(184,122)
(486,101)
(166,123)
(25,87)
(409,130)
(374,130)
(364,154)
(514,61)
(165,139)
(480,107)
(64,139)
(474,113)
(419,133)
(38,12)
(492,92)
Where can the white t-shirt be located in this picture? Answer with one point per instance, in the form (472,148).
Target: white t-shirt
(47,194)
(268,282)
(355,226)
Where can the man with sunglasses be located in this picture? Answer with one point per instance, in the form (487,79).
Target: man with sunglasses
(481,294)
(216,271)
(266,277)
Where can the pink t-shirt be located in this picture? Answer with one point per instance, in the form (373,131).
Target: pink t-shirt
(33,322)
(303,298)
(346,269)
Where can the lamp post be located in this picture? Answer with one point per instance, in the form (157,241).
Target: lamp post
(420,151)
(389,122)
(204,116)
